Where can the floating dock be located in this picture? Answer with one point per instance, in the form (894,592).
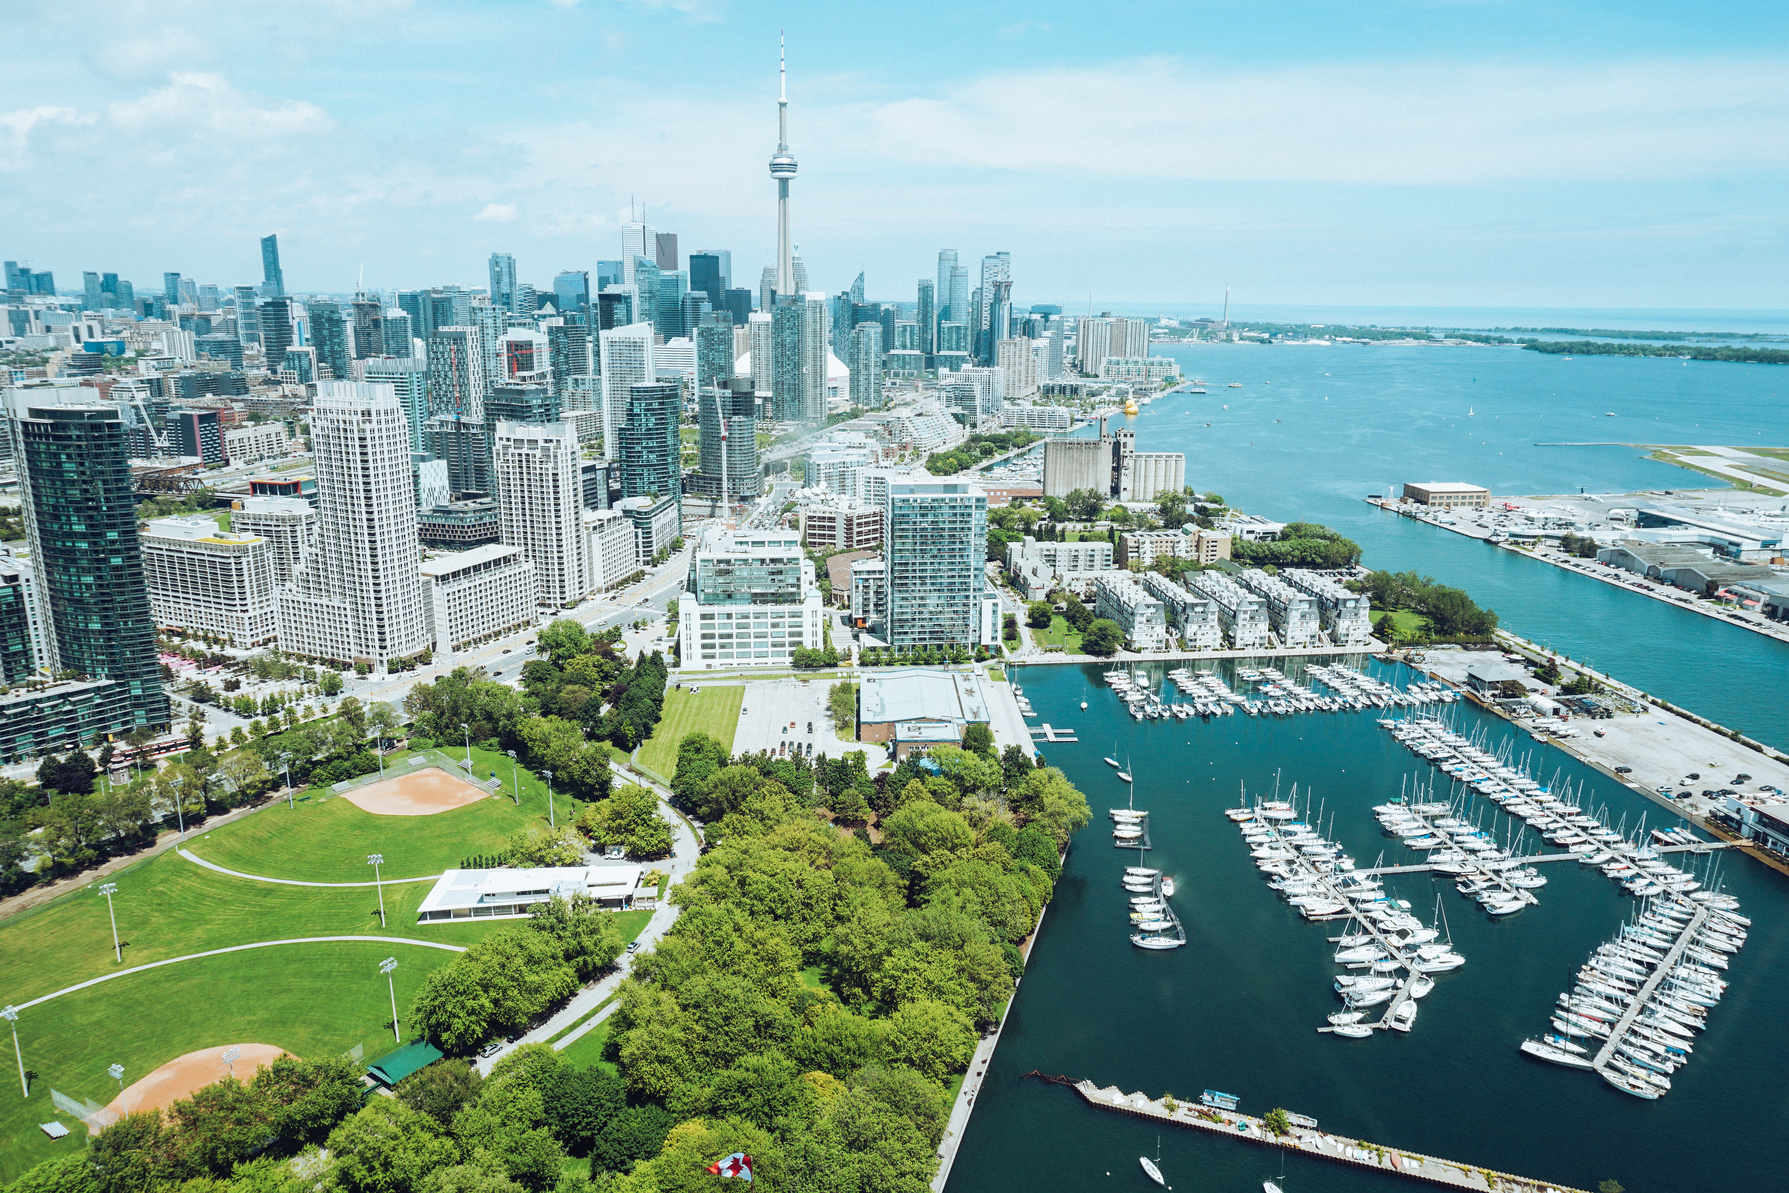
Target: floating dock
(1309,1141)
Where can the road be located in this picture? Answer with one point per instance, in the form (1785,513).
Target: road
(684,852)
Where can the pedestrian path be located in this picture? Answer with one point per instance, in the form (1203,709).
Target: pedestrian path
(190,856)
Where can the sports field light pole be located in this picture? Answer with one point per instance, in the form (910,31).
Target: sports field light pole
(385,967)
(375,860)
(467,730)
(116,1072)
(515,783)
(11,1015)
(551,819)
(179,811)
(108,891)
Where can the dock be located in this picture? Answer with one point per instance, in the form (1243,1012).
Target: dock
(1050,733)
(1659,973)
(1542,858)
(1309,1141)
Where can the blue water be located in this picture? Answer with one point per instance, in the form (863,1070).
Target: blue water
(1748,322)
(1316,429)
(1237,1008)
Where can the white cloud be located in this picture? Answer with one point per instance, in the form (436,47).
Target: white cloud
(496,213)
(193,103)
(151,54)
(1388,122)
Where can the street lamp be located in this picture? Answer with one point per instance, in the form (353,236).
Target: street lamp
(11,1015)
(551,819)
(385,967)
(117,1074)
(108,890)
(467,730)
(515,784)
(375,860)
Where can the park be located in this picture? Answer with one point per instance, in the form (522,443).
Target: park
(261,935)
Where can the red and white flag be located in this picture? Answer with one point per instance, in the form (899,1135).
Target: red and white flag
(738,1164)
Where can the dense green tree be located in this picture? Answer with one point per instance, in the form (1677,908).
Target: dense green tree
(481,1173)
(979,739)
(934,1039)
(563,639)
(630,818)
(441,1090)
(388,1148)
(1103,637)
(588,935)
(1039,614)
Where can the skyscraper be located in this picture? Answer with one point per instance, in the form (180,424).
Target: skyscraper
(866,365)
(994,309)
(957,304)
(540,493)
(368,319)
(767,288)
(625,361)
(248,318)
(760,329)
(729,442)
(276,331)
(927,316)
(409,380)
(651,448)
(815,333)
(714,350)
(170,289)
(503,281)
(329,336)
(568,352)
(936,551)
(638,240)
(456,373)
(80,519)
(92,299)
(358,597)
(782,168)
(665,250)
(705,276)
(273,283)
(786,397)
(571,292)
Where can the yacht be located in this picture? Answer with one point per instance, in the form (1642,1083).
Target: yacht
(1168,887)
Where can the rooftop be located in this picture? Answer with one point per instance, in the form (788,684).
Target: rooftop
(922,694)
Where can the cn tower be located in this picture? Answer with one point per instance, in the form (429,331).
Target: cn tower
(782,168)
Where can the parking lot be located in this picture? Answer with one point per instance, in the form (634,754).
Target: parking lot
(770,705)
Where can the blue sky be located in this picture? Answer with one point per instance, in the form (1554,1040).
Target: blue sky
(1452,153)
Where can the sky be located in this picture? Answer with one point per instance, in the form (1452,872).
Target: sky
(1449,153)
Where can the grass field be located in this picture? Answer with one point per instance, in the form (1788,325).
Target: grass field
(1403,621)
(313,999)
(1059,634)
(587,1049)
(714,711)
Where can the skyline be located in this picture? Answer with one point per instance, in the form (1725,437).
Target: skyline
(1447,168)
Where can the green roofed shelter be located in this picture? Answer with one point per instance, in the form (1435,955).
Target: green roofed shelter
(393,1067)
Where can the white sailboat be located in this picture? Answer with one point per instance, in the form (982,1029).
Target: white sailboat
(1150,1167)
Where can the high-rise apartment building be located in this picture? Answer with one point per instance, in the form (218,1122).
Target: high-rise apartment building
(711,272)
(926,316)
(368,319)
(456,373)
(568,354)
(400,335)
(503,281)
(248,317)
(80,513)
(787,396)
(571,292)
(714,350)
(650,444)
(759,330)
(540,492)
(947,268)
(865,363)
(409,380)
(936,550)
(329,336)
(288,524)
(753,601)
(1017,362)
(357,596)
(665,250)
(273,279)
(626,361)
(729,444)
(196,434)
(815,327)
(275,318)
(205,580)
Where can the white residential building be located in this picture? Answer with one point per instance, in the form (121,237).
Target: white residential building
(657,524)
(1119,596)
(1293,615)
(626,354)
(479,595)
(1036,418)
(1346,615)
(869,594)
(540,492)
(753,601)
(1191,615)
(1139,368)
(1017,359)
(357,596)
(1242,614)
(205,580)
(255,441)
(1093,555)
(836,466)
(610,554)
(289,524)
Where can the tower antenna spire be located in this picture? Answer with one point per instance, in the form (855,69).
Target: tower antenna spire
(782,168)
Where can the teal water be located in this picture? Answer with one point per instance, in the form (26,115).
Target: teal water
(1316,429)
(1237,1008)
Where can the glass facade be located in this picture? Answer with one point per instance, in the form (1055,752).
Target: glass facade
(651,448)
(936,547)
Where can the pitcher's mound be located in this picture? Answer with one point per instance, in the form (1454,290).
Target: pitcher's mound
(420,793)
(181,1076)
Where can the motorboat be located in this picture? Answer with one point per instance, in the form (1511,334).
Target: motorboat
(1168,887)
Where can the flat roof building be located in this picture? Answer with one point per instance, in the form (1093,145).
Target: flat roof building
(936,549)
(511,894)
(841,525)
(1347,616)
(479,595)
(915,696)
(210,581)
(1292,614)
(1447,494)
(289,524)
(1120,597)
(1193,616)
(753,602)
(1242,614)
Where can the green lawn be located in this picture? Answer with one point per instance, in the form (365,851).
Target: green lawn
(1059,634)
(713,710)
(1403,621)
(327,840)
(587,1049)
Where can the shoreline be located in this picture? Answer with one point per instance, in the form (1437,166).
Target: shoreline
(1613,577)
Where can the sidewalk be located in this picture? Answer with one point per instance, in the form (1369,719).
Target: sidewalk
(684,852)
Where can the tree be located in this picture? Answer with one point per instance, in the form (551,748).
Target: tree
(1275,1120)
(388,1148)
(841,705)
(629,818)
(979,739)
(330,683)
(1083,505)
(1078,616)
(1102,638)
(481,1173)
(563,639)
(1039,615)
(539,845)
(930,1037)
(441,1090)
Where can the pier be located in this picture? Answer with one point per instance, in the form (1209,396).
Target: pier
(1659,973)
(1309,1141)
(1540,858)
(1050,733)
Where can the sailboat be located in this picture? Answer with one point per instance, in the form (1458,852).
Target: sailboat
(1110,760)
(1270,1186)
(1150,1167)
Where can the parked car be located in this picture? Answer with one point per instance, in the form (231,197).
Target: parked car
(1624,770)
(491,1049)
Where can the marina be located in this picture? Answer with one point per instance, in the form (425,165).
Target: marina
(1269,692)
